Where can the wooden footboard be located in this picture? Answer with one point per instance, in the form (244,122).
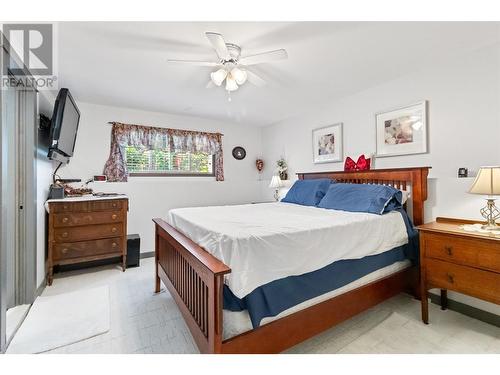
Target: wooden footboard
(195,280)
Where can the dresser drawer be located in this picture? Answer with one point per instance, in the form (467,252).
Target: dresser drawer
(71,219)
(64,251)
(460,250)
(68,207)
(109,205)
(90,232)
(468,280)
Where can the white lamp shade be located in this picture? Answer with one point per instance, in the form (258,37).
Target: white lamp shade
(231,84)
(240,76)
(487,181)
(219,76)
(275,182)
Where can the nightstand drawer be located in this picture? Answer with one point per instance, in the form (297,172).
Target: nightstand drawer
(460,250)
(468,280)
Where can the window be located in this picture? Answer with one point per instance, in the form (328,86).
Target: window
(148,151)
(162,162)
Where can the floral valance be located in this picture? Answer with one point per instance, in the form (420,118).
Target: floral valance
(148,138)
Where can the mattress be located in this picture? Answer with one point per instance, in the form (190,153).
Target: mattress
(237,322)
(271,241)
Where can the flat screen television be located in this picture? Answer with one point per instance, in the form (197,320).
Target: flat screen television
(63,127)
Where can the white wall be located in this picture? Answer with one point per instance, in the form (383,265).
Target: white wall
(464,129)
(153,196)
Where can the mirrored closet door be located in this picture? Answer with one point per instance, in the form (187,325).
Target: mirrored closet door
(18,125)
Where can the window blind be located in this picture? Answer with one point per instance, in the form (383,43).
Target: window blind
(162,161)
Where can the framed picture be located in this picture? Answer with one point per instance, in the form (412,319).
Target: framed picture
(402,131)
(327,144)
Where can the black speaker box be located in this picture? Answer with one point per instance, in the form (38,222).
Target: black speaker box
(133,250)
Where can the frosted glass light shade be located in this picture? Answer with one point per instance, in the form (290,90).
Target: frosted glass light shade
(239,75)
(218,76)
(231,84)
(275,182)
(487,181)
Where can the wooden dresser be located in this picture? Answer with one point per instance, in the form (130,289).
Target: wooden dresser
(86,229)
(454,259)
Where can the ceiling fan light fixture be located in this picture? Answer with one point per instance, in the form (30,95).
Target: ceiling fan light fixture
(218,76)
(231,84)
(231,67)
(239,75)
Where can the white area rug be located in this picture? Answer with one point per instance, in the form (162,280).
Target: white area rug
(63,319)
(14,318)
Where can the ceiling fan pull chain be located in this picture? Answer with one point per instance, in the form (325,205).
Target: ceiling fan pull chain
(229,96)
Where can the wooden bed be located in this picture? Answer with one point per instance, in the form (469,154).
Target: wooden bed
(195,279)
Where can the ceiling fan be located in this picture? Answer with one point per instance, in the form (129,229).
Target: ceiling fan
(232,67)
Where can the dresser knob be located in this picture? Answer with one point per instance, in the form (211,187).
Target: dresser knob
(65,206)
(449,250)
(113,244)
(450,278)
(113,229)
(65,234)
(64,251)
(114,205)
(114,216)
(65,220)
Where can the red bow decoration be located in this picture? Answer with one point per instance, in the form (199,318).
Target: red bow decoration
(363,164)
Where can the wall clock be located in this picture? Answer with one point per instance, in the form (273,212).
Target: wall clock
(239,153)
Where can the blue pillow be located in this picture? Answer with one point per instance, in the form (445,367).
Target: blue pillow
(307,192)
(375,199)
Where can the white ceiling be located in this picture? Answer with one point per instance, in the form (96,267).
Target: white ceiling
(124,64)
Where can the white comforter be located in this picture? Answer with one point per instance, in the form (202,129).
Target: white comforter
(266,242)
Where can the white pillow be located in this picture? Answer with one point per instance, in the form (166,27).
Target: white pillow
(406,195)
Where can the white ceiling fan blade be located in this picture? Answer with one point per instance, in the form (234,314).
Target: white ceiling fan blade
(193,62)
(210,84)
(255,79)
(219,45)
(279,54)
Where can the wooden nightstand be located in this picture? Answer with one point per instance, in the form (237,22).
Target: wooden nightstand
(454,259)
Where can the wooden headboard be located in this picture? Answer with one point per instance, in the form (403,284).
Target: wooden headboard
(399,178)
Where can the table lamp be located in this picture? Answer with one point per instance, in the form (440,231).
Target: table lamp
(487,182)
(276,184)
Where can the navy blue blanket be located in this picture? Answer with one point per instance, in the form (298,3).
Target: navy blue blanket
(279,295)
